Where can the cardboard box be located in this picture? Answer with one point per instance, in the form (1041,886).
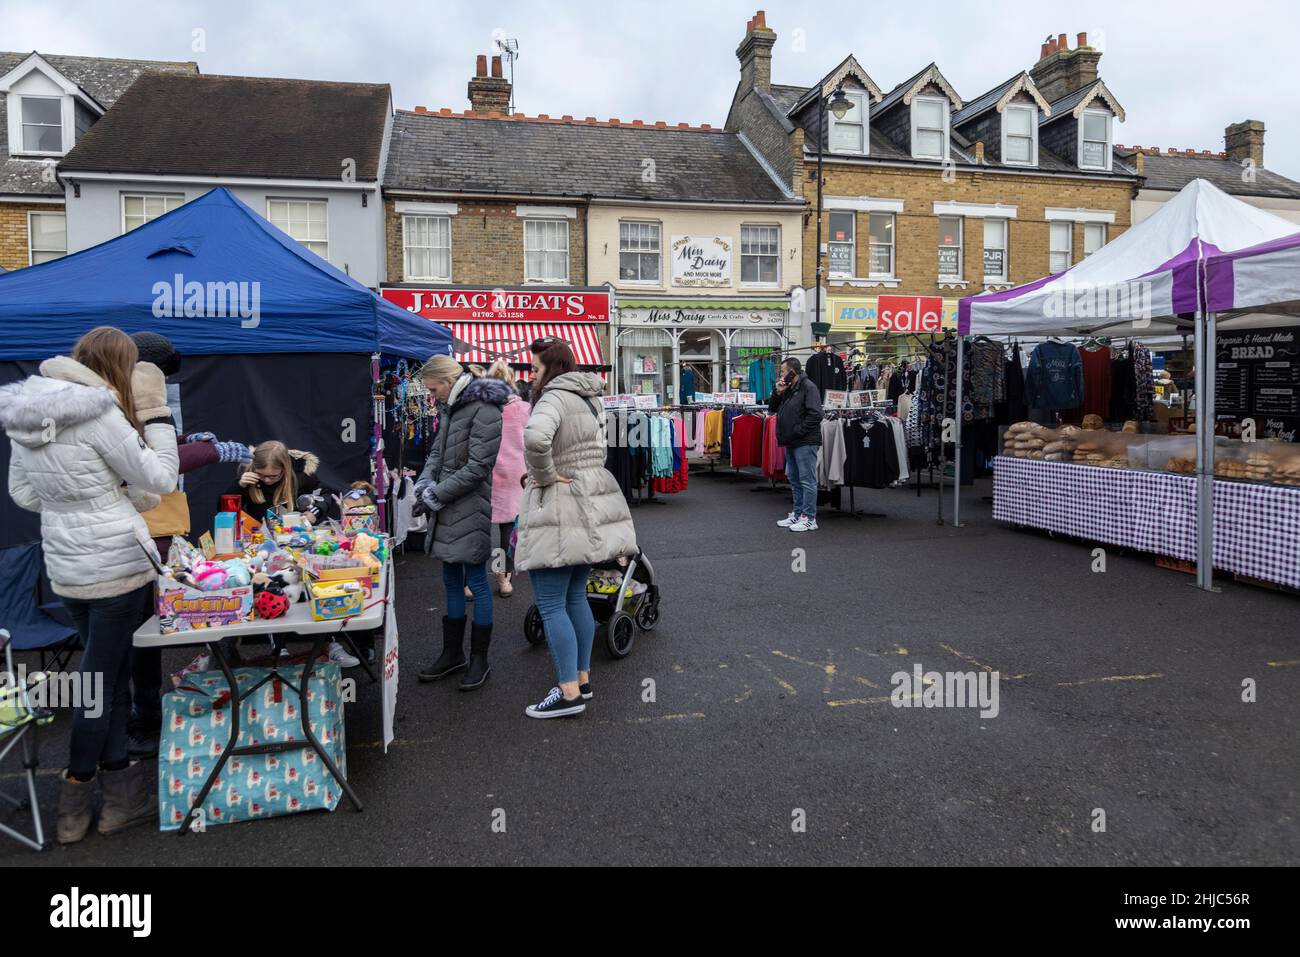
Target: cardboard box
(326,607)
(364,519)
(188,609)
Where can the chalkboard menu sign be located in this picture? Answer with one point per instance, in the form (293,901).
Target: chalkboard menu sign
(1257,376)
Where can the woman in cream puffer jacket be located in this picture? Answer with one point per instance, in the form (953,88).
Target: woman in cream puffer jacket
(573,516)
(79,460)
(73,449)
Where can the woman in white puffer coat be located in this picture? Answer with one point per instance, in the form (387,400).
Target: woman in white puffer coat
(93,444)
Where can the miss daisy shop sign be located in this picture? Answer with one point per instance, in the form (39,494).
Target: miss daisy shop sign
(701,260)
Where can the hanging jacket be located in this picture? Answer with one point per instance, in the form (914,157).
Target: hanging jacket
(460,466)
(73,448)
(586,520)
(1055,377)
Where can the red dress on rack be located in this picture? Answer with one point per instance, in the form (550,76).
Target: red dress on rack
(746,441)
(773,454)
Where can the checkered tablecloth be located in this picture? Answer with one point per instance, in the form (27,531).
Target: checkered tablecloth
(1256,527)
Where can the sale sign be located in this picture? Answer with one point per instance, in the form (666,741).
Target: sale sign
(910,314)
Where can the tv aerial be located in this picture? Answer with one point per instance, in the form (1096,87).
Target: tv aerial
(509,50)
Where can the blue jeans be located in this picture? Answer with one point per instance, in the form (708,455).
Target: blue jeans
(561,596)
(801,470)
(455,576)
(99,726)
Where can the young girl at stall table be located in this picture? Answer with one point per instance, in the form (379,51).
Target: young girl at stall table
(283,478)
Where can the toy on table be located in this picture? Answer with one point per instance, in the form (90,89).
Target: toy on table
(357,506)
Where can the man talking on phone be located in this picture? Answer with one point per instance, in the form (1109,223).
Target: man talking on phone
(797,404)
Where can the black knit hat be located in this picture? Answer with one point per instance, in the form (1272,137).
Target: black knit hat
(159,350)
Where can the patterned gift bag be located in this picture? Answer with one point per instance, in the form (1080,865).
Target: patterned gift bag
(196,728)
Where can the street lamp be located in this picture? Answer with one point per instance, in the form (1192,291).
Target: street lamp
(839,104)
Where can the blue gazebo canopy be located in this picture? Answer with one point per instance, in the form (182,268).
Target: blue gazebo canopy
(216,279)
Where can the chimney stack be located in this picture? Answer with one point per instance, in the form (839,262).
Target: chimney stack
(489,94)
(1060,71)
(1245,140)
(755,55)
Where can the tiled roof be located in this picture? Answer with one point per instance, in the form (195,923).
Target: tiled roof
(1172,170)
(101,78)
(453,153)
(982,103)
(171,124)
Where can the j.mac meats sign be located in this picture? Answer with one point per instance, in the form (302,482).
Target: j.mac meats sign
(701,260)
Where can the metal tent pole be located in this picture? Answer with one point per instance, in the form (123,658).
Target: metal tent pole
(956,464)
(1205,359)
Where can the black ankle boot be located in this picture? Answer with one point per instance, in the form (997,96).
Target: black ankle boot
(452,658)
(480,638)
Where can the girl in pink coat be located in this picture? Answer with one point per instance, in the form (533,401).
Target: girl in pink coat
(508,473)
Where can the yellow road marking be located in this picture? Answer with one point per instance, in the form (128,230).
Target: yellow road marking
(1284,664)
(1089,681)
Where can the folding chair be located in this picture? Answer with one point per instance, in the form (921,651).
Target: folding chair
(19,721)
(30,607)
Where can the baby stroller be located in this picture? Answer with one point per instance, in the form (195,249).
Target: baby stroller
(623,599)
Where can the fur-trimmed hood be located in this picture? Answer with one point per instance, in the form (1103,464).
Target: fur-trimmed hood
(479,389)
(65,394)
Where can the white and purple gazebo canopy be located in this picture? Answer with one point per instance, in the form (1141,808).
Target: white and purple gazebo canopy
(1263,279)
(1144,279)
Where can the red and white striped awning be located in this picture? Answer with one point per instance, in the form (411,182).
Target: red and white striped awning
(489,341)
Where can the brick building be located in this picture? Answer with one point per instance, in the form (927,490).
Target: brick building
(505,227)
(926,193)
(48,103)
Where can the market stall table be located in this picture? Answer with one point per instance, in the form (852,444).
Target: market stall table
(1256,526)
(296,622)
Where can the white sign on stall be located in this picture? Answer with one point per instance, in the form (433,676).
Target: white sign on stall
(390,668)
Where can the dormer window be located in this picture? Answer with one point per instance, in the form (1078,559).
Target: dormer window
(42,124)
(1020,135)
(45,109)
(849,133)
(1094,140)
(930,128)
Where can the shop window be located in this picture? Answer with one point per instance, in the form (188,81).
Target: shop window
(1020,135)
(638,252)
(303,220)
(426,246)
(47,237)
(995,250)
(141,208)
(1094,237)
(546,250)
(849,134)
(645,357)
(1061,256)
(1094,140)
(42,121)
(760,255)
(930,128)
(950,247)
(882,245)
(842,247)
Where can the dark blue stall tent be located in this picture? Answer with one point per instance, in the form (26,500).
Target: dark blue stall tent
(277,343)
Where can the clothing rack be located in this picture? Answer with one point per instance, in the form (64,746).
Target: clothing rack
(875,411)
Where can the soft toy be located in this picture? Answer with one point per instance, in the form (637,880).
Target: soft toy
(210,576)
(364,545)
(359,495)
(271,604)
(237,573)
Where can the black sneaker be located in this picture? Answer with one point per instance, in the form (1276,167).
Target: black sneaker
(143,743)
(555,705)
(584,689)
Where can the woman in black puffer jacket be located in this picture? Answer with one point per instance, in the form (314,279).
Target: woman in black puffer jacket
(456,488)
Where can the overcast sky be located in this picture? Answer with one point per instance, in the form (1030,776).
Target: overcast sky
(1182,71)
